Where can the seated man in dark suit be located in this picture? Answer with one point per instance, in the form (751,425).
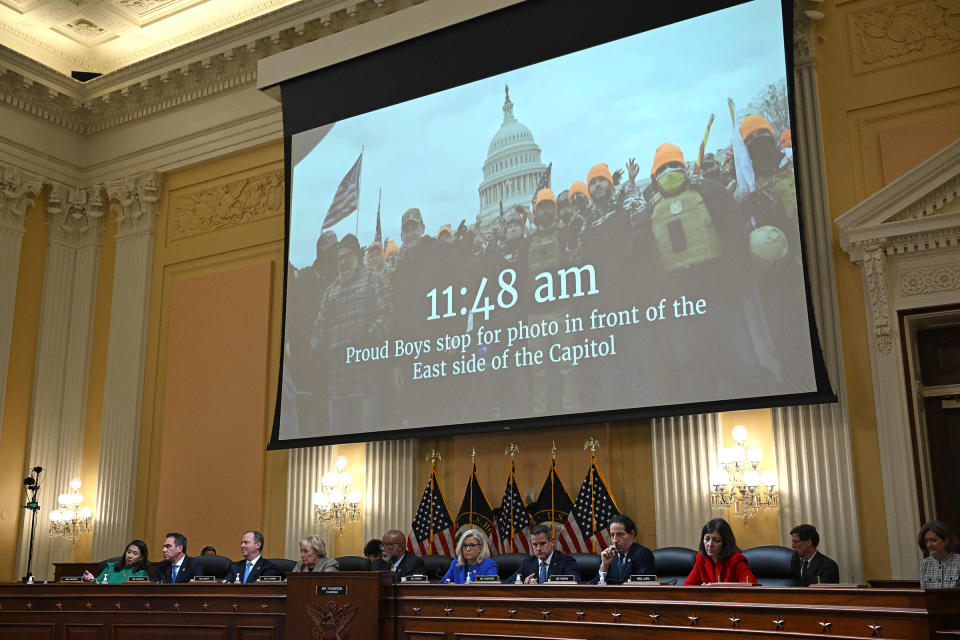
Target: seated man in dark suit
(624,558)
(546,560)
(809,566)
(394,558)
(253,565)
(177,566)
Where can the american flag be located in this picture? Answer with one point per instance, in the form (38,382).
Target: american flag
(378,237)
(586,528)
(542,183)
(347,198)
(512,507)
(424,539)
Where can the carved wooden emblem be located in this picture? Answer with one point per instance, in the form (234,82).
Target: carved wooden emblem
(331,622)
(825,626)
(875,629)
(693,620)
(616,616)
(177,605)
(117,605)
(60,606)
(779,622)
(735,622)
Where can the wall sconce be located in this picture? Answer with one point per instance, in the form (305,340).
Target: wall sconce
(738,482)
(336,505)
(67,520)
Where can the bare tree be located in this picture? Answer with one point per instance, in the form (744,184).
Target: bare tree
(772,104)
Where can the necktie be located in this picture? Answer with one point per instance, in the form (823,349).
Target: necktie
(173,572)
(803,569)
(543,572)
(246,571)
(623,565)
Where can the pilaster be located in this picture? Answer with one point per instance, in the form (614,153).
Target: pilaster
(389,486)
(58,407)
(135,203)
(17,190)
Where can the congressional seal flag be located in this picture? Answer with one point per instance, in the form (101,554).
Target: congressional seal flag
(346,200)
(475,510)
(553,505)
(585,530)
(432,530)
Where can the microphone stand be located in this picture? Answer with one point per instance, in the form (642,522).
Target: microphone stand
(31,487)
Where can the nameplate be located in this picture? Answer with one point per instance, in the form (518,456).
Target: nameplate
(138,579)
(71,579)
(332,590)
(487,579)
(562,578)
(270,579)
(643,578)
(414,577)
(203,579)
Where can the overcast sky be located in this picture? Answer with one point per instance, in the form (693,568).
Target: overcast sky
(604,104)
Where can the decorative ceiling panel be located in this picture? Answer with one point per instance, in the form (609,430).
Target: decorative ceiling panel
(106,35)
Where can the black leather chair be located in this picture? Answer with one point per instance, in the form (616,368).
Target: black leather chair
(674,564)
(436,566)
(508,563)
(214,566)
(353,563)
(103,564)
(285,566)
(771,565)
(588,564)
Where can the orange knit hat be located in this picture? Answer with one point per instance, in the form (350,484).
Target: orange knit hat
(599,170)
(581,188)
(786,139)
(754,122)
(665,153)
(545,194)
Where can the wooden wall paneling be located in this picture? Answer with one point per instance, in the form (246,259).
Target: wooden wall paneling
(83,632)
(26,631)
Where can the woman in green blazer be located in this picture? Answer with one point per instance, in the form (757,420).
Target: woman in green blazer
(133,562)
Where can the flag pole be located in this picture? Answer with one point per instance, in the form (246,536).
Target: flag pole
(433,456)
(553,508)
(592,444)
(357,232)
(473,456)
(512,451)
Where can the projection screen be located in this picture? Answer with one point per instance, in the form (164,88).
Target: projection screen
(555,213)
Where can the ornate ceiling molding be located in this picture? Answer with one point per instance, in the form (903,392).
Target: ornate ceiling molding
(206,67)
(76,215)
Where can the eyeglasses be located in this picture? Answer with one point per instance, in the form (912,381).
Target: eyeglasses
(470,545)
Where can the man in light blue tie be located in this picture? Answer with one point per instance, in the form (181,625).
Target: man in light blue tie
(253,566)
(177,566)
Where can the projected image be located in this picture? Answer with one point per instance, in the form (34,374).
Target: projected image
(612,229)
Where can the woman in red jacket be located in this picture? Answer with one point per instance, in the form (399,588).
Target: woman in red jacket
(719,559)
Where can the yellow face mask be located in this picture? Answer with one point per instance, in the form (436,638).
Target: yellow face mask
(671,180)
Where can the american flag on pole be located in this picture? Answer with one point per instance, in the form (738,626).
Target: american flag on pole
(432,531)
(511,532)
(378,237)
(542,183)
(347,198)
(586,528)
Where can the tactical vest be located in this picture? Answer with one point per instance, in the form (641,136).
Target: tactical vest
(544,253)
(784,190)
(683,231)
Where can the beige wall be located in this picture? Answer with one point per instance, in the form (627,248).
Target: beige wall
(888,102)
(215,313)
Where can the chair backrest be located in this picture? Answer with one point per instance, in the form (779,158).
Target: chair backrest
(103,563)
(285,566)
(771,564)
(353,563)
(588,564)
(508,563)
(214,566)
(436,566)
(674,564)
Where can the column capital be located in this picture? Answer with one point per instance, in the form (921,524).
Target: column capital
(17,189)
(76,215)
(136,201)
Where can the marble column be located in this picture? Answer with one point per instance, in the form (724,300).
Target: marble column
(135,203)
(58,406)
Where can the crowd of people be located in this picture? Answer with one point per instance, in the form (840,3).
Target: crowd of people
(694,230)
(718,558)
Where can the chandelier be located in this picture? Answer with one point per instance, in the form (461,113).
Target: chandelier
(336,505)
(67,520)
(739,484)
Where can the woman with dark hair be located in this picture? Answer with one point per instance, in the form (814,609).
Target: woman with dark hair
(940,569)
(719,559)
(132,563)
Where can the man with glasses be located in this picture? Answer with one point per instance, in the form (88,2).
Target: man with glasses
(546,560)
(395,559)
